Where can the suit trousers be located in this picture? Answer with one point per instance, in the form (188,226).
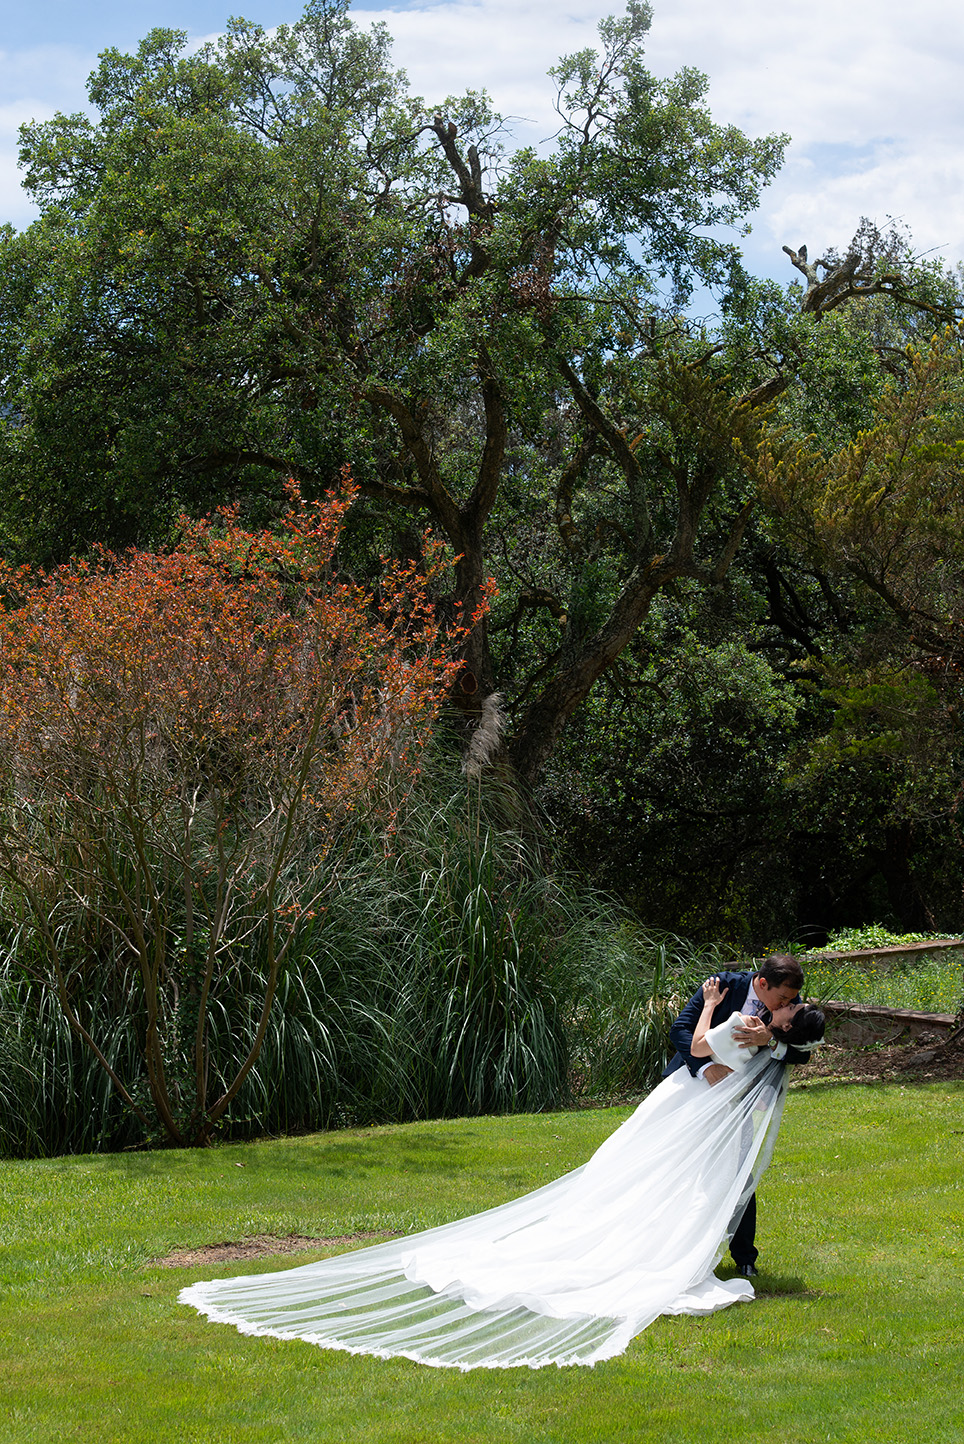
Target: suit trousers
(742,1246)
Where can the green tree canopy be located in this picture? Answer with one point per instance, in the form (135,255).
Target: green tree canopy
(268,258)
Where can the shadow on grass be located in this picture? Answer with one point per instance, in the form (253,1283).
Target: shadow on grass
(787,1289)
(778,1286)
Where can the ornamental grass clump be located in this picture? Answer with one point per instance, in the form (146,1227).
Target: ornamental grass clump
(453,973)
(186,740)
(464,931)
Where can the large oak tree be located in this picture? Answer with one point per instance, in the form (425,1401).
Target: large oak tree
(269,258)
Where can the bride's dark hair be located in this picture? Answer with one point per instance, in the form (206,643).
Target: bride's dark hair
(806,1026)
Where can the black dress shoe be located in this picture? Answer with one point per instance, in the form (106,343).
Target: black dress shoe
(746,1271)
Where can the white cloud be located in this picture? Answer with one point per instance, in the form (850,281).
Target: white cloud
(870,94)
(827,72)
(922,189)
(503,47)
(34,84)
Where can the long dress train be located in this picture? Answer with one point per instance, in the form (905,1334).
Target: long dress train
(565,1275)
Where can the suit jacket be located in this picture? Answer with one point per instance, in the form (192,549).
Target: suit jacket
(737,987)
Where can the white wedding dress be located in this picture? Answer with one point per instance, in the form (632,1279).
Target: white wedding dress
(565,1275)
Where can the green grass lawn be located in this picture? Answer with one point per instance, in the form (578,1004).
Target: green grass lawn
(856,1334)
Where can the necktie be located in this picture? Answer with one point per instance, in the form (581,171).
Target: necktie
(756,1009)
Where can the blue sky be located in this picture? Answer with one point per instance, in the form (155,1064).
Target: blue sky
(93,27)
(870,92)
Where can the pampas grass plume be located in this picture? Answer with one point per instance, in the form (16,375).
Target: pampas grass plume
(487,737)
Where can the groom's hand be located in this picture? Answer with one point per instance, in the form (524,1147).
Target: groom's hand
(753,1033)
(715,1073)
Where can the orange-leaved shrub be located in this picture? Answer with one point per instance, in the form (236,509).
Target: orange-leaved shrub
(185,740)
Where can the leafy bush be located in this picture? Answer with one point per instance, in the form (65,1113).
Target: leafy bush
(852,940)
(923,982)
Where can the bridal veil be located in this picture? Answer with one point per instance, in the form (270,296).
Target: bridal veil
(565,1275)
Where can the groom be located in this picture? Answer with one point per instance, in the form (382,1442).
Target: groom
(756,996)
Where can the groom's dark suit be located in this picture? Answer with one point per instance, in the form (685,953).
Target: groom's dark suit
(737,986)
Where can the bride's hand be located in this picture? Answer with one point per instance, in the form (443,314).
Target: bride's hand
(712,992)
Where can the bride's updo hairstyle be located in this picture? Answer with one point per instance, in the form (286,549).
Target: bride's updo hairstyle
(805,1027)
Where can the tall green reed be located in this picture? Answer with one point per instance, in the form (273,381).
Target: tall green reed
(455,972)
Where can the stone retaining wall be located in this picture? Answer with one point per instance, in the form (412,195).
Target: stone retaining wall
(866,1023)
(885,955)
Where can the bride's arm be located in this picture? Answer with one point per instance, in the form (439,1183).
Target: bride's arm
(712,995)
(681,1036)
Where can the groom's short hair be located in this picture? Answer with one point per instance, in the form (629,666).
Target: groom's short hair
(781,970)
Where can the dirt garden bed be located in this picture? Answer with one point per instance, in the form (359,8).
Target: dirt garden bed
(924,1058)
(259,1245)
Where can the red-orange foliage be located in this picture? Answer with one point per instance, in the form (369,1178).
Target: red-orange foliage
(183,739)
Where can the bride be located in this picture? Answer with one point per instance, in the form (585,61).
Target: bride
(570,1273)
